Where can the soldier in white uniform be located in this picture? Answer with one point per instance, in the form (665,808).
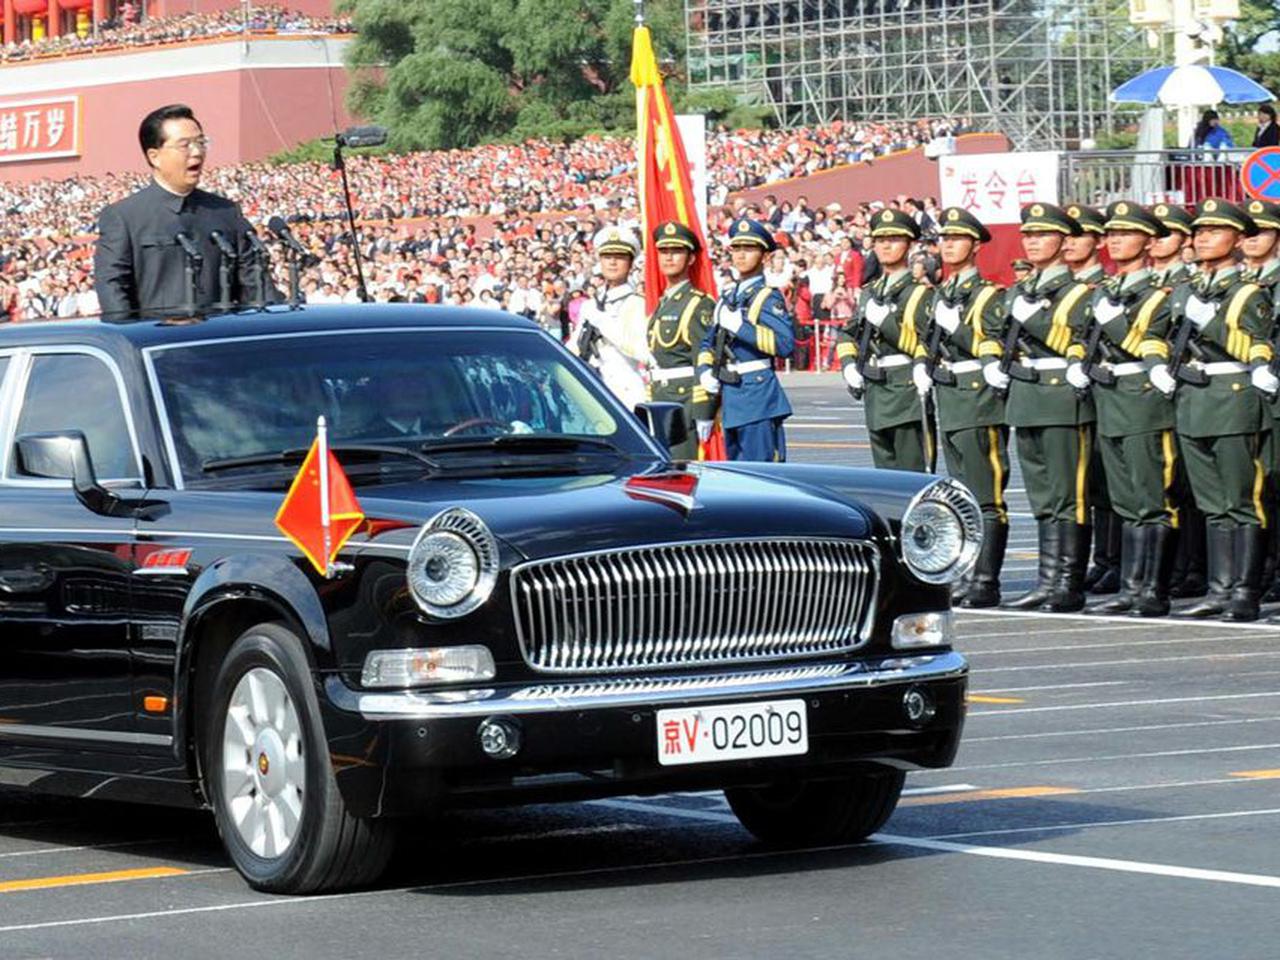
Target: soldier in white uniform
(613,329)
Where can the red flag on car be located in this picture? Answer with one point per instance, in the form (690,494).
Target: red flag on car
(320,511)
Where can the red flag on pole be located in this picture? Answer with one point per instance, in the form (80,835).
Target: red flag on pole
(320,511)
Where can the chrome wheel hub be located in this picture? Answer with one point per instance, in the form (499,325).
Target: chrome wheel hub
(264,771)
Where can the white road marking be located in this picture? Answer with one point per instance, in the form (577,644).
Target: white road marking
(1054,686)
(1131,661)
(1113,730)
(1128,621)
(1010,711)
(1053,631)
(42,851)
(1090,824)
(998,651)
(944,788)
(1118,756)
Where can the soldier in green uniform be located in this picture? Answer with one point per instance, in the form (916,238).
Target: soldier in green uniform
(887,325)
(676,328)
(968,311)
(1166,252)
(1046,317)
(1083,254)
(1135,423)
(1220,420)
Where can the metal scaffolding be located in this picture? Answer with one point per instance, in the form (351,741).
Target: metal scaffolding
(1038,71)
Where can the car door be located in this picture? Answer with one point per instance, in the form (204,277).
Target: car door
(65,676)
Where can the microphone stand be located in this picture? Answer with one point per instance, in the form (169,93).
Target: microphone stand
(258,255)
(226,263)
(340,165)
(192,261)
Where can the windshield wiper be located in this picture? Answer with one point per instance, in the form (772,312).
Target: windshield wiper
(358,451)
(535,442)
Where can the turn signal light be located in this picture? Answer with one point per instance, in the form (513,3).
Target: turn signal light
(428,666)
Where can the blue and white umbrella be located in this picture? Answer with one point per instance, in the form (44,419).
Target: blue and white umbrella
(1190,86)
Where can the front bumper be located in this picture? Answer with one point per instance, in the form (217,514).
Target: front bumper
(404,752)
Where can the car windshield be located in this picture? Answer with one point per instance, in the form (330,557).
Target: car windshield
(447,393)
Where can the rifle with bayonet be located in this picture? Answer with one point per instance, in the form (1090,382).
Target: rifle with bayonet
(869,374)
(1096,349)
(1184,348)
(589,337)
(723,355)
(936,351)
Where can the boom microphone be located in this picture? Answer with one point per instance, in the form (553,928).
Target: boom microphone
(281,229)
(189,248)
(223,244)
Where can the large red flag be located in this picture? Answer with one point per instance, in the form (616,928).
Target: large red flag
(317,532)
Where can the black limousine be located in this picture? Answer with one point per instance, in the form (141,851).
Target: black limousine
(538,605)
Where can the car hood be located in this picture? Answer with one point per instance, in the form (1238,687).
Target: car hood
(553,516)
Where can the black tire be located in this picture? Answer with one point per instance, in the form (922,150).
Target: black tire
(807,812)
(330,849)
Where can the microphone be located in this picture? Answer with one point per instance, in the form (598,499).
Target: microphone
(223,244)
(189,248)
(281,229)
(362,137)
(255,243)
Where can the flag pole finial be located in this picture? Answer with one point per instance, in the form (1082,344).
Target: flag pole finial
(639,7)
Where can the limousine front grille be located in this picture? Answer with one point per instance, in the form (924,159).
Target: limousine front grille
(710,602)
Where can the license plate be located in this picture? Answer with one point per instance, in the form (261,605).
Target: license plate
(735,731)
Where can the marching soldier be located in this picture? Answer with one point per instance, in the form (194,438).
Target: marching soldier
(1224,320)
(751,328)
(613,328)
(677,327)
(1166,252)
(877,347)
(1135,422)
(1046,318)
(1083,254)
(967,311)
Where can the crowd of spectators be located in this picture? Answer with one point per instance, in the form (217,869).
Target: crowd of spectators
(128,29)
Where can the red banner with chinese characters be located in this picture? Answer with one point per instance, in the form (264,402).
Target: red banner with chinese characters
(39,129)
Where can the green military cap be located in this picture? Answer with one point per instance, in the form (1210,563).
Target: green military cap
(1090,220)
(1046,218)
(1175,218)
(1265,215)
(959,222)
(1124,215)
(894,223)
(616,240)
(1221,213)
(673,233)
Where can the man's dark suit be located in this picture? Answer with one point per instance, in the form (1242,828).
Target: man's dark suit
(1268,136)
(138,265)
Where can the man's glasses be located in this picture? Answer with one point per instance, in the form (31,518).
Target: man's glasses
(191,145)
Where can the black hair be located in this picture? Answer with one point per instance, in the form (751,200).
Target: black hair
(1269,110)
(151,130)
(1202,128)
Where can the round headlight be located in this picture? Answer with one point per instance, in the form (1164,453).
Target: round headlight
(942,532)
(453,564)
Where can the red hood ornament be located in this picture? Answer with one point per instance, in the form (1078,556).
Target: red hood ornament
(673,490)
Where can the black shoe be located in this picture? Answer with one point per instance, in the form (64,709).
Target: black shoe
(984,584)
(1104,574)
(1048,536)
(1129,580)
(1073,552)
(1188,587)
(1219,546)
(1189,579)
(1251,553)
(1159,545)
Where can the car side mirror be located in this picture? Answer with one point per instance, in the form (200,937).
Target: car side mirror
(665,421)
(65,456)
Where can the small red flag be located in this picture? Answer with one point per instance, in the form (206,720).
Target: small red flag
(302,515)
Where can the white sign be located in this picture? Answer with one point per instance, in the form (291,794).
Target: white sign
(693,131)
(994,187)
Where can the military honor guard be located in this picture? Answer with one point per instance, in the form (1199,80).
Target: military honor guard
(967,311)
(1046,318)
(613,328)
(1165,255)
(877,348)
(751,328)
(1218,368)
(676,330)
(1083,253)
(1135,423)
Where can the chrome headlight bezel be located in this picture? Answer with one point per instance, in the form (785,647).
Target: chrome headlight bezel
(458,524)
(945,501)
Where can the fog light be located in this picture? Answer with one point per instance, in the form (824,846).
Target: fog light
(499,739)
(918,706)
(424,667)
(914,630)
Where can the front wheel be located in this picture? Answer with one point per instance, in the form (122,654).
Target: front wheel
(809,812)
(267,773)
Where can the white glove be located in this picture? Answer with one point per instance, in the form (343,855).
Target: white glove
(709,382)
(1201,311)
(731,320)
(1077,377)
(704,429)
(1162,380)
(1266,381)
(948,316)
(877,312)
(1023,309)
(920,377)
(852,377)
(1107,310)
(995,377)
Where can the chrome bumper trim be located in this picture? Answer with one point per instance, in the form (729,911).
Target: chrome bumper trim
(644,691)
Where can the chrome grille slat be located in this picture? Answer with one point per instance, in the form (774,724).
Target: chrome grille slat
(691,604)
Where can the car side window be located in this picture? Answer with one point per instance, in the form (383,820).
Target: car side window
(73,391)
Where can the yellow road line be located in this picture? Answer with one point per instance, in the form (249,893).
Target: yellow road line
(1258,774)
(82,879)
(1024,554)
(824,446)
(983,698)
(1007,793)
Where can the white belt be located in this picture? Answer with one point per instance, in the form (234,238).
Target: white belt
(892,360)
(1127,369)
(1045,363)
(751,366)
(1221,368)
(667,374)
(964,366)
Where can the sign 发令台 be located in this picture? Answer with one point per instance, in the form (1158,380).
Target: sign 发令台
(40,129)
(994,187)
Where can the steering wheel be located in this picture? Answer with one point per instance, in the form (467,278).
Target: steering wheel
(472,422)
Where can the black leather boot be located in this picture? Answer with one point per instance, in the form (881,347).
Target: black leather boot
(1219,549)
(1073,554)
(984,584)
(1191,579)
(1271,569)
(1251,554)
(1132,571)
(1049,536)
(1159,547)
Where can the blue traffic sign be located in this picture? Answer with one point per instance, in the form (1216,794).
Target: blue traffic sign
(1260,174)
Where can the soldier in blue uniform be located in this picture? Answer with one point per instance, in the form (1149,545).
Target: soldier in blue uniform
(751,328)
